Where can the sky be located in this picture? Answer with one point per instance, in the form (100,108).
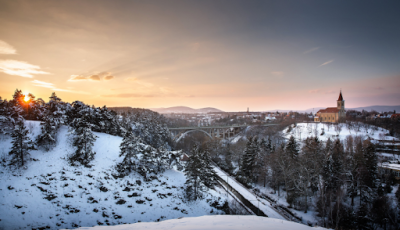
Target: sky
(230,55)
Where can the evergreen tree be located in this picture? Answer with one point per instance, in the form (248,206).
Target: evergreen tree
(209,178)
(161,159)
(83,140)
(370,180)
(292,148)
(47,138)
(52,121)
(130,147)
(193,172)
(249,158)
(199,174)
(21,144)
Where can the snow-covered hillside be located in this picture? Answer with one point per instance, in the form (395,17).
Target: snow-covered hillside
(214,223)
(324,131)
(50,193)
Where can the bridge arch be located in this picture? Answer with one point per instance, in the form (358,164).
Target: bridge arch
(181,135)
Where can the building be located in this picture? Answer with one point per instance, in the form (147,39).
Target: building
(332,114)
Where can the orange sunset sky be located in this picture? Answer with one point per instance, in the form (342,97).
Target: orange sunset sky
(229,55)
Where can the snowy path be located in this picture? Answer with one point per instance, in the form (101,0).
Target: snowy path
(262,204)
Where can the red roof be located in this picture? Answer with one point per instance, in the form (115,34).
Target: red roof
(340,97)
(329,110)
(395,115)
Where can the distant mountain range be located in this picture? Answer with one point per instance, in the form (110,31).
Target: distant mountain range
(184,109)
(378,108)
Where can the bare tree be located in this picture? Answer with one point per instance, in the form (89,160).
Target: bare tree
(338,128)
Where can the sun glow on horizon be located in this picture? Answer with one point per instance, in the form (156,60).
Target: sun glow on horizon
(26,98)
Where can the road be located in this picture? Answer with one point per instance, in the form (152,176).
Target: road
(259,206)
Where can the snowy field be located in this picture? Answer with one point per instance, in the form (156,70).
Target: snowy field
(50,193)
(225,222)
(324,131)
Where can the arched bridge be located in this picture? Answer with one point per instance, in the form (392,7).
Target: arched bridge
(210,131)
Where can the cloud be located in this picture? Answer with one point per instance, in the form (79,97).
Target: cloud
(311,50)
(378,88)
(326,63)
(107,78)
(20,68)
(278,73)
(94,77)
(6,48)
(43,84)
(51,86)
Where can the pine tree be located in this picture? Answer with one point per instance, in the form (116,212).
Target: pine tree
(369,177)
(161,159)
(21,144)
(292,148)
(209,177)
(130,147)
(47,138)
(83,140)
(249,158)
(193,172)
(199,174)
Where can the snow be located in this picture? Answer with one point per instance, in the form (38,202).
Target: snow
(73,193)
(214,223)
(304,130)
(264,205)
(236,139)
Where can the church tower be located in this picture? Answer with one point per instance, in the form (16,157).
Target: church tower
(340,107)
(340,102)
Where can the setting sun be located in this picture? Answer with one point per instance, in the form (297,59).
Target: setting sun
(26,98)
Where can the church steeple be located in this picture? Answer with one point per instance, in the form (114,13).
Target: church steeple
(340,96)
(340,101)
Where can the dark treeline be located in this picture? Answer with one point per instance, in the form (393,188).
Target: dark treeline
(339,179)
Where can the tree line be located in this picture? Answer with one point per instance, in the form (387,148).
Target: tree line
(339,178)
(143,126)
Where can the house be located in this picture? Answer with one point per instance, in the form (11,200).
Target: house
(332,114)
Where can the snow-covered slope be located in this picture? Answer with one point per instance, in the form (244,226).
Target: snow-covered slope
(303,130)
(214,223)
(51,193)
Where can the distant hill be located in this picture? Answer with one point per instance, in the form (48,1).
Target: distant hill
(379,108)
(184,109)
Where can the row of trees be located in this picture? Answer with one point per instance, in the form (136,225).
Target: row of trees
(339,178)
(82,120)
